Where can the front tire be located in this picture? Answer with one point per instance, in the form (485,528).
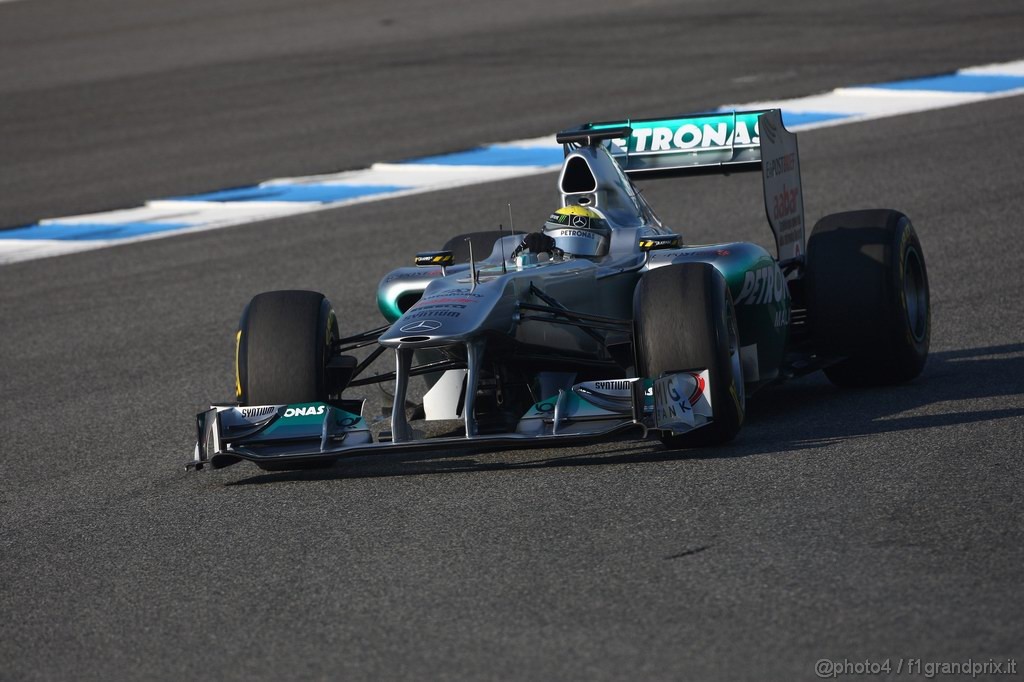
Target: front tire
(282,346)
(684,319)
(868,299)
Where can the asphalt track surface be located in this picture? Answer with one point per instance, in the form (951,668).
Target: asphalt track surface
(872,524)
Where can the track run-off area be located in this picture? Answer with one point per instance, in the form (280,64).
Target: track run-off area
(873,525)
(283,197)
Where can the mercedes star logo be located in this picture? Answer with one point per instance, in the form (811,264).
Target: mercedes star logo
(420,326)
(579,221)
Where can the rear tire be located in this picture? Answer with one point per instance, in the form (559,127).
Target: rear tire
(684,319)
(283,343)
(868,300)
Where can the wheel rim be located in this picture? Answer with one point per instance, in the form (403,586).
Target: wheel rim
(734,352)
(915,295)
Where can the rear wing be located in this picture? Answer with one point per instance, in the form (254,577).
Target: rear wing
(718,143)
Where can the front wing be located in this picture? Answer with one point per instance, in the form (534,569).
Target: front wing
(319,434)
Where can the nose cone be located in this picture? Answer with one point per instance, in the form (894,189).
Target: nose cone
(450,312)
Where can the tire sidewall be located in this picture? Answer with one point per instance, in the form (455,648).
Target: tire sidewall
(908,350)
(327,328)
(730,403)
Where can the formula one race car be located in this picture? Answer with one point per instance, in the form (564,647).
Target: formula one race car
(602,322)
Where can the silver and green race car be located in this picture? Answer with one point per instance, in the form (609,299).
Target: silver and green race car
(605,321)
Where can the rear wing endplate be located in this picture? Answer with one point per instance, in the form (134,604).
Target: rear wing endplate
(717,143)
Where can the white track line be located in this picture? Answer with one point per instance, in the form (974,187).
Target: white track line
(291,196)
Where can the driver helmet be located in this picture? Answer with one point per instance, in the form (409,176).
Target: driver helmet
(579,230)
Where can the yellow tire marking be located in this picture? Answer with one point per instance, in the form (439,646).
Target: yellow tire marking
(238,376)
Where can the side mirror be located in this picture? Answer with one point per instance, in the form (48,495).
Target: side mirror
(432,259)
(428,259)
(656,242)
